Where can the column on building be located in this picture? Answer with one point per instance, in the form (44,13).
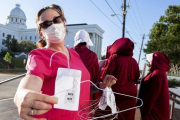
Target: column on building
(90,35)
(100,44)
(96,49)
(93,41)
(99,47)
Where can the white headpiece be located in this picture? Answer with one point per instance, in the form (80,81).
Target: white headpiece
(82,36)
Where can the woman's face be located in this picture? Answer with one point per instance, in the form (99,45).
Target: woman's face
(49,15)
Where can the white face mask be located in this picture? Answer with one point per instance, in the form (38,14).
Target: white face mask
(55,33)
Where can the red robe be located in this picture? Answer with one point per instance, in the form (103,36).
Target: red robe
(90,60)
(154,90)
(125,68)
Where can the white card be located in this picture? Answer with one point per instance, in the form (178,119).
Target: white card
(103,102)
(111,99)
(67,89)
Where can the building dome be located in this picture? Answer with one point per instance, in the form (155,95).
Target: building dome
(16,18)
(17,12)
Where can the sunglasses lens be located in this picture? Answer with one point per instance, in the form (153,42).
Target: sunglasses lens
(46,24)
(57,20)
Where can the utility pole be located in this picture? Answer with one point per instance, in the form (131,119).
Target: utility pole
(141,48)
(124,18)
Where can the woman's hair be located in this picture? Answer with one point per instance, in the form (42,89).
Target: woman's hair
(42,42)
(54,7)
(82,43)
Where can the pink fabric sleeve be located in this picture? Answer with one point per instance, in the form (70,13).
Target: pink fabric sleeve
(38,65)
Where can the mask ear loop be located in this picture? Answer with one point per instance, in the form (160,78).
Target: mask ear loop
(111,113)
(62,53)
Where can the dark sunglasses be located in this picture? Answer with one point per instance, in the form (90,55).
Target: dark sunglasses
(48,23)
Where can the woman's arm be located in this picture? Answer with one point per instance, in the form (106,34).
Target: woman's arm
(28,97)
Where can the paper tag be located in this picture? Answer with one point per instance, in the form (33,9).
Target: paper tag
(111,99)
(113,103)
(67,89)
(103,102)
(70,97)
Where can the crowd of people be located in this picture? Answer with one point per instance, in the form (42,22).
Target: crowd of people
(35,95)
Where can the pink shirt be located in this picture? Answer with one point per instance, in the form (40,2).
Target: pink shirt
(38,64)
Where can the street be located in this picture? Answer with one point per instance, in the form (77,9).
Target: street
(8,110)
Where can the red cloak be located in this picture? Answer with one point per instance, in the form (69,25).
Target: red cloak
(90,60)
(125,68)
(154,90)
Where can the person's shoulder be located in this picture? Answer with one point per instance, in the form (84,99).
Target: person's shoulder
(38,51)
(93,53)
(73,52)
(158,73)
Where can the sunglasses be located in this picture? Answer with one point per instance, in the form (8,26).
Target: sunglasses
(48,23)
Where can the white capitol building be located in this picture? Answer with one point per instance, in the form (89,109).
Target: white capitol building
(16,26)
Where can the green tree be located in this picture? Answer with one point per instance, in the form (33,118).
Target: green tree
(103,57)
(7,42)
(165,36)
(14,45)
(26,46)
(10,43)
(7,58)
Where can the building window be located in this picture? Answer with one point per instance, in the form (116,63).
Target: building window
(13,36)
(20,20)
(11,19)
(21,37)
(3,34)
(26,38)
(30,37)
(16,19)
(35,37)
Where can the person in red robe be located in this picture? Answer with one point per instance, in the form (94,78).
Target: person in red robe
(88,57)
(154,89)
(124,67)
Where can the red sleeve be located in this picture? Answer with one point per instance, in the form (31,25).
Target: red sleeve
(38,65)
(109,67)
(153,93)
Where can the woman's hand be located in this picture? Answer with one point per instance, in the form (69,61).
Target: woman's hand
(30,101)
(108,81)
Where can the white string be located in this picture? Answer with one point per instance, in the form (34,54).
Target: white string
(111,113)
(68,89)
(62,53)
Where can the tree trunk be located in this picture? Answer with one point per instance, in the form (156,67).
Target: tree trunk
(175,69)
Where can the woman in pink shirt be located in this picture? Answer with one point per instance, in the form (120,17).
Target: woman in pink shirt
(35,95)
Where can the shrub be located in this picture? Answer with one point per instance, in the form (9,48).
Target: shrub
(18,62)
(1,66)
(3,53)
(174,83)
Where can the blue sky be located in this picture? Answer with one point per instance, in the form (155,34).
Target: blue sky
(140,17)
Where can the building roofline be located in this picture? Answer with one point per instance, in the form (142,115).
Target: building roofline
(76,24)
(87,25)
